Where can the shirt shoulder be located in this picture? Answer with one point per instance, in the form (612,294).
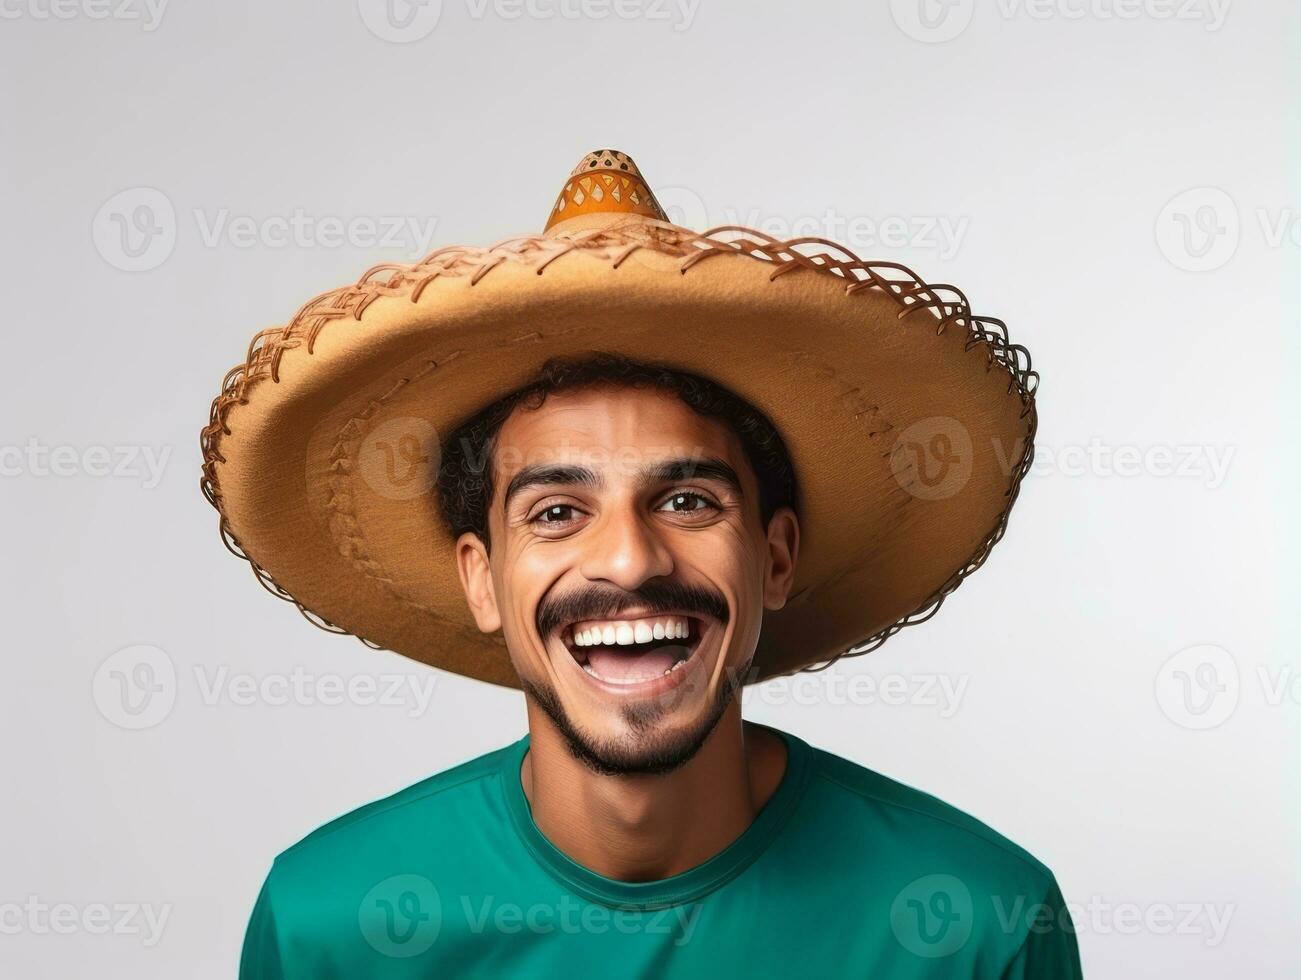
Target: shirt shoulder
(441,828)
(953,889)
(440,798)
(932,832)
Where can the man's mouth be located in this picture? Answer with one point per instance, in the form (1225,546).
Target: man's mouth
(633,650)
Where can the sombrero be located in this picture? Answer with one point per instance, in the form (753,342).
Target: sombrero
(909,420)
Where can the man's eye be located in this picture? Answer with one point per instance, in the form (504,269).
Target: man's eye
(687,503)
(555,514)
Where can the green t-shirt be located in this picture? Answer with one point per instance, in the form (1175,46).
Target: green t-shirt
(843,873)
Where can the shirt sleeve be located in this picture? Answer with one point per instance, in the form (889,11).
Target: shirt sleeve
(260,958)
(1050,951)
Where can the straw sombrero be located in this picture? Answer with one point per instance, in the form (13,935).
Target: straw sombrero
(910,421)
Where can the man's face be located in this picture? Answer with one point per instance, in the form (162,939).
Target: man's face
(629,570)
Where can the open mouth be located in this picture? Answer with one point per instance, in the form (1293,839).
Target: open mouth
(634,650)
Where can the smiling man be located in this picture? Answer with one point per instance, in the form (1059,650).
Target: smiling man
(629,469)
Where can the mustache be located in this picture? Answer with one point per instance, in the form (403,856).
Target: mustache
(600,602)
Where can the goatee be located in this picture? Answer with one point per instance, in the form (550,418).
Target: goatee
(648,752)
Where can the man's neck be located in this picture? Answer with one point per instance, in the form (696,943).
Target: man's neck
(644,828)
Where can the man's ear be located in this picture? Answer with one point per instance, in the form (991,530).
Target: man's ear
(476,580)
(783,552)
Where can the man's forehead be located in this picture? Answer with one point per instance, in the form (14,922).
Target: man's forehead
(610,429)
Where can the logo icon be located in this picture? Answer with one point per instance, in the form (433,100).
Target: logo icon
(932,916)
(135,230)
(399,458)
(932,21)
(400,21)
(401,916)
(1198,230)
(135,688)
(1198,688)
(932,458)
(683,207)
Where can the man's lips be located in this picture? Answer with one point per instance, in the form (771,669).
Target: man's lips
(633,650)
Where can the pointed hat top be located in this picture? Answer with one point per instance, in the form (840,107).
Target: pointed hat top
(606,183)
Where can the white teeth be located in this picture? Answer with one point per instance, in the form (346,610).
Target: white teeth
(628,632)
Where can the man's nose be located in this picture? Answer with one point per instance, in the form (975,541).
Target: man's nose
(626,551)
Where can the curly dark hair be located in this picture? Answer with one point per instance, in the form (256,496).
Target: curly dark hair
(465,487)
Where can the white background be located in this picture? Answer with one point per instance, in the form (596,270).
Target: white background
(1115,177)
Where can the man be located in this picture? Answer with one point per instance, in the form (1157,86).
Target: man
(572,464)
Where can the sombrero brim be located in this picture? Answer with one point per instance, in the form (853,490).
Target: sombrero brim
(910,423)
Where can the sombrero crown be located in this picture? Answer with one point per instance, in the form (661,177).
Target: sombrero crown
(909,420)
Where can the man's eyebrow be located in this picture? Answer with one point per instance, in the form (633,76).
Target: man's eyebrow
(667,471)
(689,468)
(547,475)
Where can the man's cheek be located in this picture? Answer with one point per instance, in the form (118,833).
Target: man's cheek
(527,650)
(745,625)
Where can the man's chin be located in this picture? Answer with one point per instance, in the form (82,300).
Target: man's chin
(646,741)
